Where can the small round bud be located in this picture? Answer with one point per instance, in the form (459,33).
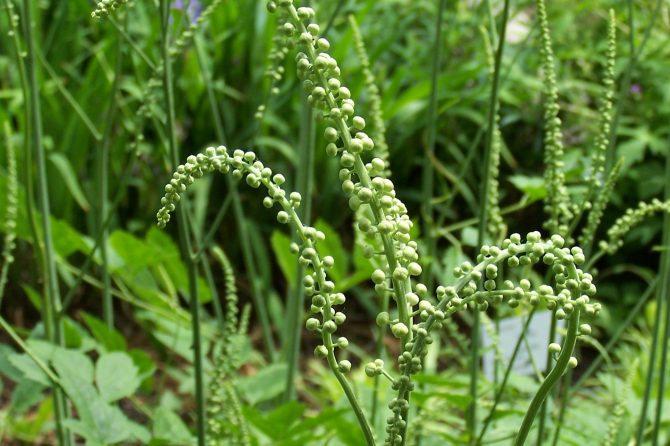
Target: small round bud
(399,330)
(378,276)
(572,362)
(321,351)
(382,319)
(585,329)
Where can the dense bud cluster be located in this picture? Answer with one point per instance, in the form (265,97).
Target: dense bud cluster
(604,110)
(495,223)
(570,296)
(626,222)
(556,205)
(11,212)
(596,213)
(317,287)
(379,127)
(106,7)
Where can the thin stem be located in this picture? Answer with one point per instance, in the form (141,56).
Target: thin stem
(10,211)
(294,306)
(52,302)
(550,360)
(664,295)
(36,359)
(183,228)
(88,262)
(471,415)
(103,187)
(567,378)
(132,44)
(333,16)
(508,370)
(70,99)
(649,381)
(428,172)
(550,381)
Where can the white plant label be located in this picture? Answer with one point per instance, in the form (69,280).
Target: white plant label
(533,349)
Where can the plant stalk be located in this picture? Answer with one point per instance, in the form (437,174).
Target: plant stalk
(183,228)
(471,414)
(52,302)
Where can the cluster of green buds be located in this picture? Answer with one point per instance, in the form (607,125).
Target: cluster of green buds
(363,182)
(11,211)
(317,286)
(599,206)
(604,110)
(477,287)
(106,7)
(626,222)
(557,204)
(385,221)
(374,99)
(281,46)
(495,222)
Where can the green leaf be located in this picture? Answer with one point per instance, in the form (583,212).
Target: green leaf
(69,178)
(277,423)
(265,385)
(134,252)
(145,365)
(288,262)
(532,186)
(110,339)
(26,394)
(28,368)
(100,422)
(332,246)
(116,376)
(167,426)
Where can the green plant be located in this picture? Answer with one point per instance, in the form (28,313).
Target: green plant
(469,94)
(321,78)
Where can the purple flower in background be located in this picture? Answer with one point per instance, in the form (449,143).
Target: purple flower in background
(192,8)
(636,89)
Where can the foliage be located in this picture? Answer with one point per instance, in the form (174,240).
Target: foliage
(116,332)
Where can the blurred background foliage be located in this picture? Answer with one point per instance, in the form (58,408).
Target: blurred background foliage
(78,58)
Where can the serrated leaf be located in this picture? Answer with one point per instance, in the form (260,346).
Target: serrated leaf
(167,426)
(116,376)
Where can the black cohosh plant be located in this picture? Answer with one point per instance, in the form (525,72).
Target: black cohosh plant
(421,311)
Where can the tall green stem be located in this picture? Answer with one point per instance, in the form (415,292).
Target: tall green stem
(471,415)
(183,225)
(663,295)
(103,188)
(428,172)
(294,307)
(550,381)
(52,302)
(547,367)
